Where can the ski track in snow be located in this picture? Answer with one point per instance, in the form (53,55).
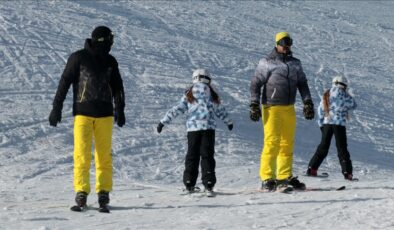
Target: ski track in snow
(157,45)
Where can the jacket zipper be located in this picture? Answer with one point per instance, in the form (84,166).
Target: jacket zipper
(83,92)
(273,94)
(288,79)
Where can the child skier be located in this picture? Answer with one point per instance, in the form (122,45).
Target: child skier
(200,103)
(333,113)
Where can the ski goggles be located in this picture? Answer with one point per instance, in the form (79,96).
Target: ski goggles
(203,79)
(109,38)
(342,84)
(286,41)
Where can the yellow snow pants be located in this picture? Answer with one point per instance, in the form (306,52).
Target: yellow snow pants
(279,132)
(87,129)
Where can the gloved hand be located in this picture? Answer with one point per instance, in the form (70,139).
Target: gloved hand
(160,127)
(120,118)
(55,116)
(255,112)
(230,127)
(309,112)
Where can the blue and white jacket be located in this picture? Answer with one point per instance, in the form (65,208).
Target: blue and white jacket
(201,113)
(340,104)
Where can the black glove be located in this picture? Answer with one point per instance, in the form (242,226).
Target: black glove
(120,119)
(55,116)
(230,127)
(255,112)
(160,127)
(309,112)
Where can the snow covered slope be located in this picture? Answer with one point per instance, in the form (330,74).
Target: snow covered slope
(157,45)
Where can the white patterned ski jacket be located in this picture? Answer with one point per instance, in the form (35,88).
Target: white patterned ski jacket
(201,113)
(340,104)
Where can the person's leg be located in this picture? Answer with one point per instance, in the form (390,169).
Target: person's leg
(192,159)
(208,163)
(285,156)
(272,127)
(102,154)
(343,153)
(83,133)
(322,150)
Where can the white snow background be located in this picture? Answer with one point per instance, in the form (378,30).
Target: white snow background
(157,45)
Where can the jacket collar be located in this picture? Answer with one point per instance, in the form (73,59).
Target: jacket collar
(93,50)
(279,56)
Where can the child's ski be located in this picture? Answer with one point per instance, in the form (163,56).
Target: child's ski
(341,188)
(320,175)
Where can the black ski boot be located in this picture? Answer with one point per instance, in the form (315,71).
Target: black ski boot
(282,185)
(190,188)
(296,184)
(311,172)
(268,185)
(103,200)
(349,176)
(81,199)
(209,189)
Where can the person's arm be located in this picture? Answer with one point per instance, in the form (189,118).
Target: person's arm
(118,95)
(171,114)
(258,80)
(221,112)
(302,85)
(69,74)
(350,103)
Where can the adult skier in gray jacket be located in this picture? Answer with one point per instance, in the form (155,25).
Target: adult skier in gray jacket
(279,75)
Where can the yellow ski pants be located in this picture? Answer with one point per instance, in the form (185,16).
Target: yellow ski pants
(279,132)
(87,129)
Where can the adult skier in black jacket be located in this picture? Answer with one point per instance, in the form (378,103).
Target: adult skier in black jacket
(97,83)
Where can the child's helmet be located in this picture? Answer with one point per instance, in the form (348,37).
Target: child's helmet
(201,75)
(340,80)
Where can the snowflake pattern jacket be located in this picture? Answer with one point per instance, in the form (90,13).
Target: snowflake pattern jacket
(340,104)
(201,112)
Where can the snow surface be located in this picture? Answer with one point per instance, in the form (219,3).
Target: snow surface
(158,44)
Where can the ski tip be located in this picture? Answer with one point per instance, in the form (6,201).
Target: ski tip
(341,188)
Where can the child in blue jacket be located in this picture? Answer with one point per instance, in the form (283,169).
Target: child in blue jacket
(200,103)
(333,113)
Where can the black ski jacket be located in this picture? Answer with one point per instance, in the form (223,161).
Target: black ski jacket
(96,83)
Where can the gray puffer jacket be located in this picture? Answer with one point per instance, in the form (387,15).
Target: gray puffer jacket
(280,76)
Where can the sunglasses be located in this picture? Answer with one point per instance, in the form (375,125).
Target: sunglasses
(286,41)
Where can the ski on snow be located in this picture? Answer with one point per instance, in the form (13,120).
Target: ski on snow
(340,188)
(76,208)
(320,175)
(197,190)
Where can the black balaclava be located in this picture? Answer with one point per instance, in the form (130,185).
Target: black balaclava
(102,40)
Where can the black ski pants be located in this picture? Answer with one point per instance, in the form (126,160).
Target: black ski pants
(341,142)
(201,144)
